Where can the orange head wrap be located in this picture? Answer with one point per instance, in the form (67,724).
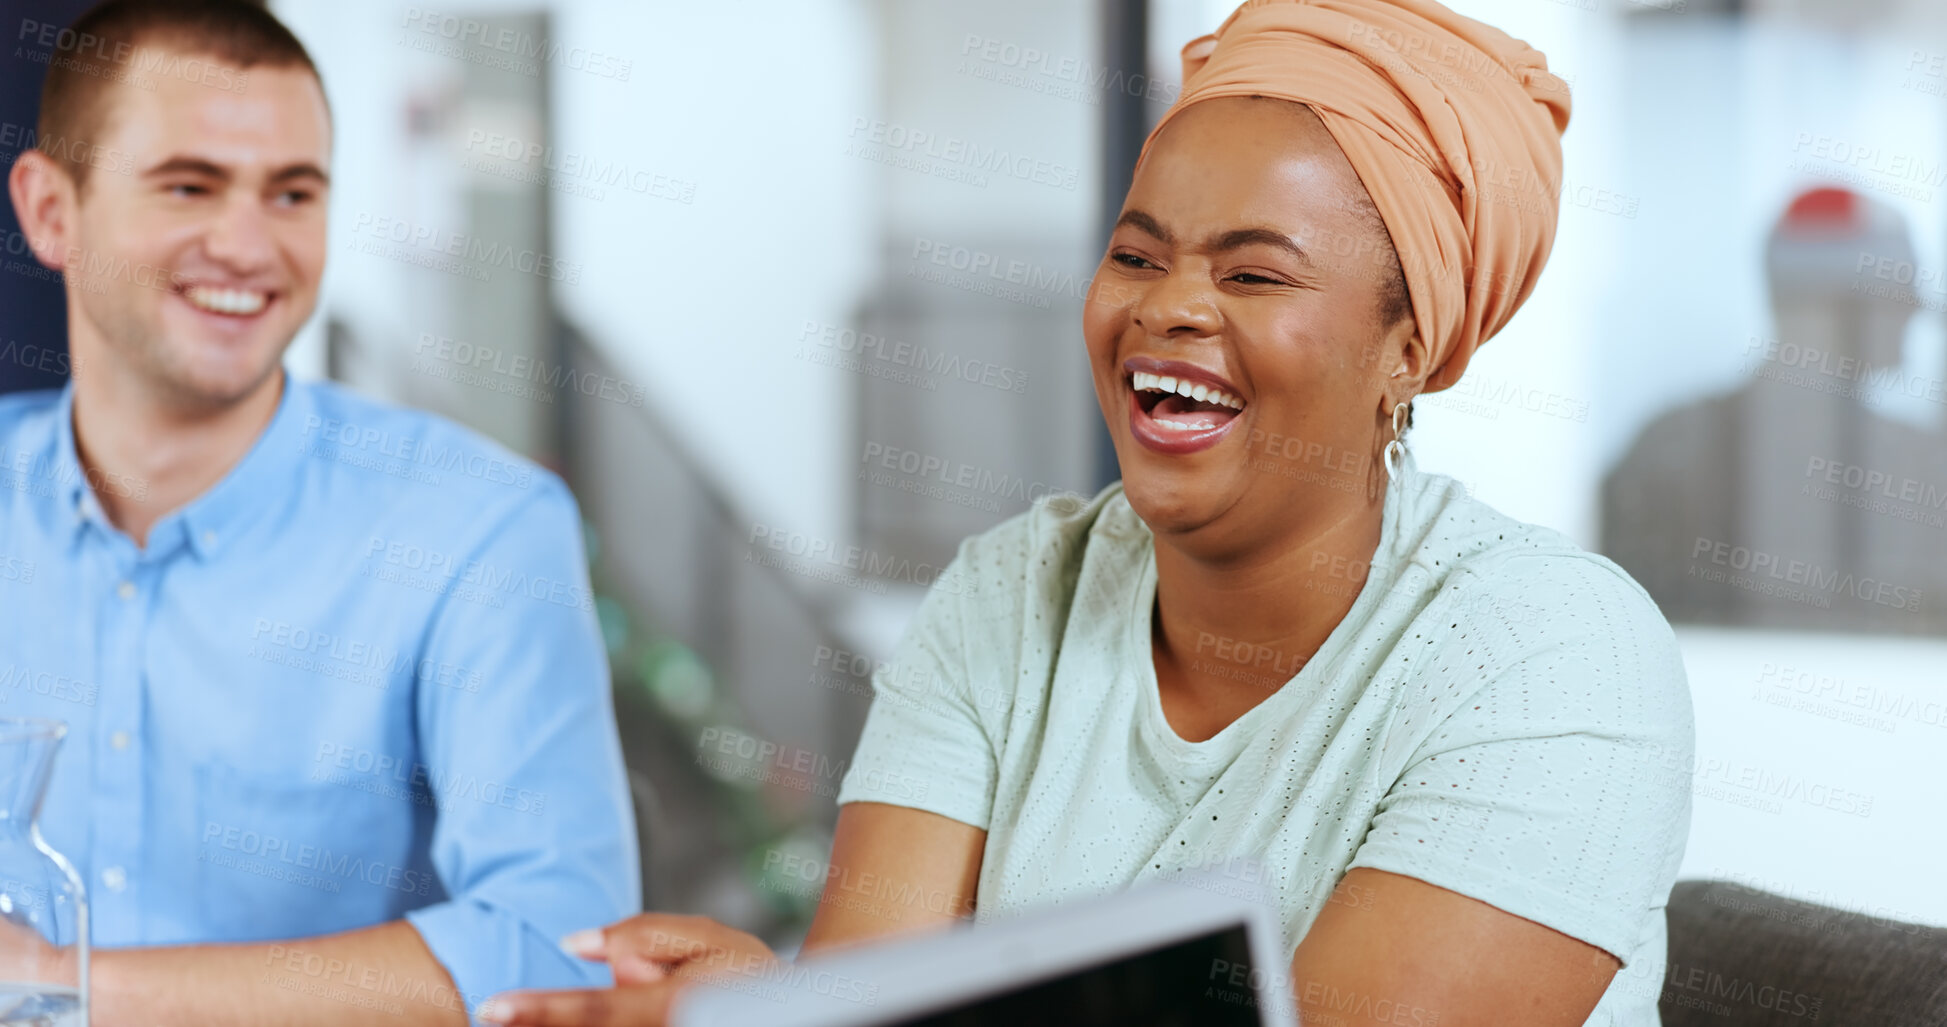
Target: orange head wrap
(1454,127)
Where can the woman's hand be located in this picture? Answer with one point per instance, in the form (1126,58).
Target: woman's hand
(654,957)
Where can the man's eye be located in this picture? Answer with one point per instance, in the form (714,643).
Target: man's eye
(294,198)
(1131,260)
(186,189)
(1247,278)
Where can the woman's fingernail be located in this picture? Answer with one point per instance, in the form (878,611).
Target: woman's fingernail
(495,1010)
(587,944)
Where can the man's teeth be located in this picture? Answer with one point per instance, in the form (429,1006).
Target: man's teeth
(226,301)
(1200,393)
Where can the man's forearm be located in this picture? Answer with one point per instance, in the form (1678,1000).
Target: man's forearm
(382,974)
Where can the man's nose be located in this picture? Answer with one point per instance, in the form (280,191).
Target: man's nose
(240,237)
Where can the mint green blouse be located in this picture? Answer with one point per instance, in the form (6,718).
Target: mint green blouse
(1500,714)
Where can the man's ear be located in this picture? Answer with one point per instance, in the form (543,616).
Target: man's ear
(45,199)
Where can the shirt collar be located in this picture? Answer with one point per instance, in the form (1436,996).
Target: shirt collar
(210,519)
(78,504)
(269,469)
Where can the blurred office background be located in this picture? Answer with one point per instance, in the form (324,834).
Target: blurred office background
(790,291)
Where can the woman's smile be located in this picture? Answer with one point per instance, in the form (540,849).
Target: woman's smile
(1178,407)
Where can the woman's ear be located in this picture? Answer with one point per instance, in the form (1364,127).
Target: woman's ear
(1408,361)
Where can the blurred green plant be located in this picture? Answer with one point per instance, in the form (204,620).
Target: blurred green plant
(661,675)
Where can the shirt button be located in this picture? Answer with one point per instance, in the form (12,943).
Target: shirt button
(126,590)
(119,739)
(114,878)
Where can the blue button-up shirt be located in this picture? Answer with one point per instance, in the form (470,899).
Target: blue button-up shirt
(360,678)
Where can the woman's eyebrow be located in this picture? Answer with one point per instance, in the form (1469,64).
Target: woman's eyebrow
(1140,220)
(1258,236)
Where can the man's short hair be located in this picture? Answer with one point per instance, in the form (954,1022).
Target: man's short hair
(120,40)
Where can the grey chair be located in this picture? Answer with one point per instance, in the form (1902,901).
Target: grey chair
(1740,957)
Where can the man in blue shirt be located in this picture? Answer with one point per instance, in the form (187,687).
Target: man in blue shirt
(340,746)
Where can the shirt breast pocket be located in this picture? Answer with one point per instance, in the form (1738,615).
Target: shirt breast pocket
(285,858)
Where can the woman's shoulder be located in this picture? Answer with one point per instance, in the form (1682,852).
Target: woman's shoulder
(1552,634)
(1529,575)
(1042,548)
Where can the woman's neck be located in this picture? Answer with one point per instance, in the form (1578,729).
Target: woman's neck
(1227,634)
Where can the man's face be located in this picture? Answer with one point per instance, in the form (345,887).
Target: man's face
(196,268)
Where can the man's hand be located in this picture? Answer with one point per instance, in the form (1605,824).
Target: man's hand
(654,957)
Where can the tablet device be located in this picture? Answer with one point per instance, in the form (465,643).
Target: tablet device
(1197,952)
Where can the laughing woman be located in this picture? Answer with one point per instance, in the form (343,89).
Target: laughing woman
(1453,745)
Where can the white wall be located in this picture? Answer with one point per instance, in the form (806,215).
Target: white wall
(704,300)
(1819,766)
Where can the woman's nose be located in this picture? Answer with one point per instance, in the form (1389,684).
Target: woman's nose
(1178,303)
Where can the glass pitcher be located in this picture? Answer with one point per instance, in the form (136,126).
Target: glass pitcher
(43,909)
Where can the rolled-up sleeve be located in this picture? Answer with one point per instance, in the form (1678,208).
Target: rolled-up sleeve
(926,744)
(535,832)
(1559,791)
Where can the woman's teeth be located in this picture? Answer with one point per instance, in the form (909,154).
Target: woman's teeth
(1200,393)
(226,301)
